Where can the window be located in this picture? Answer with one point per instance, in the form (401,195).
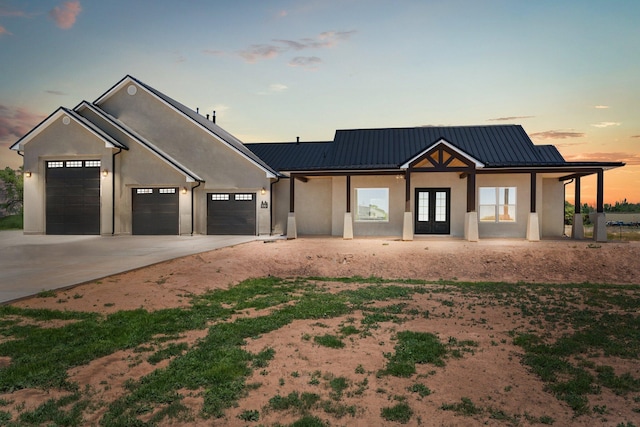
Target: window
(144,191)
(74,163)
(92,164)
(373,204)
(55,164)
(219,196)
(244,196)
(167,191)
(497,204)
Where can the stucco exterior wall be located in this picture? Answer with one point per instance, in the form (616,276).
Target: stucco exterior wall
(62,142)
(313,206)
(392,227)
(280,208)
(552,208)
(222,168)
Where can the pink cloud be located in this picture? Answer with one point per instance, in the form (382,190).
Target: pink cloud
(4,31)
(557,134)
(66,14)
(628,158)
(15,123)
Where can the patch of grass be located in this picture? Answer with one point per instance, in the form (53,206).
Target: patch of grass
(412,348)
(349,330)
(12,222)
(329,340)
(249,415)
(170,351)
(309,421)
(46,294)
(52,412)
(465,407)
(338,386)
(419,388)
(295,401)
(400,413)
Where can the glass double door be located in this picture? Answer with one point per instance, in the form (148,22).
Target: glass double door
(432,211)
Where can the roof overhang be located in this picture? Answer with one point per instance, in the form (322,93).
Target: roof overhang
(71,116)
(447,144)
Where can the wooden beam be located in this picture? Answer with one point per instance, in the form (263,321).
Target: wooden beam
(600,192)
(292,189)
(471,192)
(348,193)
(578,205)
(533,192)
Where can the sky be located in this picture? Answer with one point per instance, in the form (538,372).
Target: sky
(568,71)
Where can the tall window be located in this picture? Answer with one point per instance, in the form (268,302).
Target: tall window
(497,204)
(373,204)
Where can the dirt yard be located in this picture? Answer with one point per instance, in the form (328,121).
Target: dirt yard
(494,377)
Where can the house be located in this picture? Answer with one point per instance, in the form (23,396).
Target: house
(136,161)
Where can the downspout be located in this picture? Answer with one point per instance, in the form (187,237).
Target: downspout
(564,200)
(192,214)
(271,205)
(20,154)
(113,191)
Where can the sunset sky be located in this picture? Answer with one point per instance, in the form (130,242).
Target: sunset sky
(568,71)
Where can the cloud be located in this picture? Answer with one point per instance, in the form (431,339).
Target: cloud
(635,136)
(55,92)
(601,107)
(213,52)
(605,124)
(65,15)
(325,39)
(15,123)
(4,31)
(557,134)
(305,61)
(277,87)
(7,11)
(282,13)
(628,158)
(509,118)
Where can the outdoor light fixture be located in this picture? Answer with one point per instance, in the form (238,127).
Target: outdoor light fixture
(263,191)
(184,190)
(27,174)
(105,173)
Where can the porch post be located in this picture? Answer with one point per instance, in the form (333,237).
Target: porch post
(533,225)
(292,231)
(347,230)
(600,227)
(471,232)
(407,223)
(577,225)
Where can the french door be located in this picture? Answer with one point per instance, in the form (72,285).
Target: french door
(432,211)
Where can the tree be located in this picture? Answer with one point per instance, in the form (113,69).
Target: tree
(11,190)
(569,211)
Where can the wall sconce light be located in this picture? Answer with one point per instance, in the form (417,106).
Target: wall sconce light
(184,190)
(105,173)
(27,174)
(263,191)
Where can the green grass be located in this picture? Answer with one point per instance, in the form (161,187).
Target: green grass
(602,319)
(11,222)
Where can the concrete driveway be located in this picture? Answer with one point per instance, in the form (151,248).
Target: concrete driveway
(31,264)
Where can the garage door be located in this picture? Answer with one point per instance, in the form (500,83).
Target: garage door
(231,213)
(155,211)
(72,197)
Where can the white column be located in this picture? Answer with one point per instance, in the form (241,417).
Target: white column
(533,227)
(292,231)
(347,232)
(577,227)
(600,228)
(471,226)
(407,227)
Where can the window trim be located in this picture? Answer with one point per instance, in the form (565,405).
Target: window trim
(497,206)
(369,220)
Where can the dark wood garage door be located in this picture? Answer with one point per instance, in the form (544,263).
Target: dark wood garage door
(72,197)
(231,213)
(155,211)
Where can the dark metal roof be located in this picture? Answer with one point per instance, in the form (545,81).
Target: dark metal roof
(496,146)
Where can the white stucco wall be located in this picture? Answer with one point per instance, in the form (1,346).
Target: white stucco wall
(518,228)
(552,208)
(314,206)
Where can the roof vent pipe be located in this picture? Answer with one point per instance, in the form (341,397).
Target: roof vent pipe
(213,118)
(207,117)
(198,110)
(297,140)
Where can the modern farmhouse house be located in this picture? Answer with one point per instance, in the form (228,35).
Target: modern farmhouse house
(135,161)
